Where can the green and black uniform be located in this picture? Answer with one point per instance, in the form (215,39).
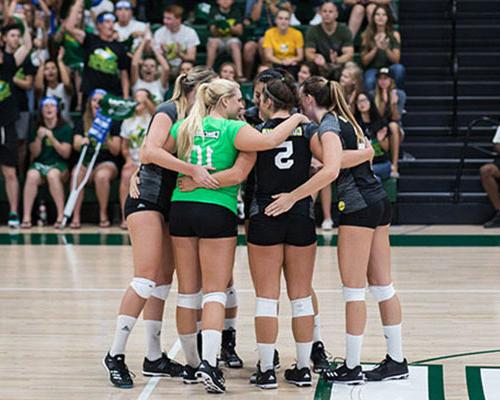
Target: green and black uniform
(49,158)
(207,213)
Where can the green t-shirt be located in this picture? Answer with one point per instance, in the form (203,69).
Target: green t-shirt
(214,148)
(48,155)
(224,21)
(381,60)
(318,39)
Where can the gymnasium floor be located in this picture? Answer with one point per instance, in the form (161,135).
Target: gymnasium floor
(59,295)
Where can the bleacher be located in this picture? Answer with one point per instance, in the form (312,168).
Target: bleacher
(435,133)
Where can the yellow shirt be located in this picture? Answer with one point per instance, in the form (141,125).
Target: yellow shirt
(284,46)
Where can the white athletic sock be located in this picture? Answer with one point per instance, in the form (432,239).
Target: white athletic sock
(189,346)
(211,340)
(353,350)
(153,339)
(124,325)
(266,355)
(303,354)
(392,335)
(230,323)
(317,329)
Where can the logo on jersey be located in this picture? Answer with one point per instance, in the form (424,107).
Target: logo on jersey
(341,206)
(212,135)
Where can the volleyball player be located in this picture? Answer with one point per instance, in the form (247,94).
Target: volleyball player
(147,218)
(363,241)
(318,353)
(203,223)
(282,231)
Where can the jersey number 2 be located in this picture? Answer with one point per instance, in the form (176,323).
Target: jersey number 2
(282,159)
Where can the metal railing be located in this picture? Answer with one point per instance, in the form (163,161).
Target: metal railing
(454,67)
(460,169)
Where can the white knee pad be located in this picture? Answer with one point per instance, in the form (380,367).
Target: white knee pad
(353,294)
(191,301)
(161,292)
(143,287)
(232,297)
(266,307)
(382,293)
(302,307)
(214,297)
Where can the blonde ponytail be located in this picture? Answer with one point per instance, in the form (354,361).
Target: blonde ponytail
(340,105)
(178,97)
(207,98)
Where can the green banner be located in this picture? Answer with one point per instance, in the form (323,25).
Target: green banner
(117,108)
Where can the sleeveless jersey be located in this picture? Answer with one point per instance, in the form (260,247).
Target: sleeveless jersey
(283,168)
(156,183)
(357,187)
(213,147)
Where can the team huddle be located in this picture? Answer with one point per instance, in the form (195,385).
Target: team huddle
(200,146)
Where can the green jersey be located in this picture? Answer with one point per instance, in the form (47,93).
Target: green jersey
(213,148)
(48,154)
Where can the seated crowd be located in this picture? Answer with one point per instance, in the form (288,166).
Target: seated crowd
(57,62)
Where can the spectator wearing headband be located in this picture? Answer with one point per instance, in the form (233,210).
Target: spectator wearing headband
(127,26)
(11,58)
(105,59)
(50,149)
(106,165)
(177,41)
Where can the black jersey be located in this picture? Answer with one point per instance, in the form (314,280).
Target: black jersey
(283,168)
(357,187)
(156,183)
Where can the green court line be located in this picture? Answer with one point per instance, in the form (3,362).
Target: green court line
(435,382)
(474,383)
(24,238)
(323,390)
(457,355)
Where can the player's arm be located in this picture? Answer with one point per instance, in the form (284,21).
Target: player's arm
(329,151)
(229,177)
(352,158)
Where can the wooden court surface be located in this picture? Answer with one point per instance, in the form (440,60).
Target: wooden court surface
(59,303)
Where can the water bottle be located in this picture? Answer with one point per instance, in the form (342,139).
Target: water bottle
(42,214)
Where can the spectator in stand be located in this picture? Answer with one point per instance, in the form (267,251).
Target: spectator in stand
(375,127)
(94,8)
(106,62)
(330,44)
(351,80)
(356,10)
(226,26)
(11,58)
(50,148)
(133,130)
(177,41)
(127,26)
(227,71)
(306,70)
(381,47)
(186,67)
(390,103)
(106,166)
(490,178)
(283,45)
(73,51)
(261,14)
(150,73)
(52,79)
(23,86)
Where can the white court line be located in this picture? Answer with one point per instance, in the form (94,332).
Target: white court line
(151,385)
(104,290)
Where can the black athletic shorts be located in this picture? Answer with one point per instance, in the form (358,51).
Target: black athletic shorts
(8,145)
(202,220)
(136,205)
(378,214)
(292,229)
